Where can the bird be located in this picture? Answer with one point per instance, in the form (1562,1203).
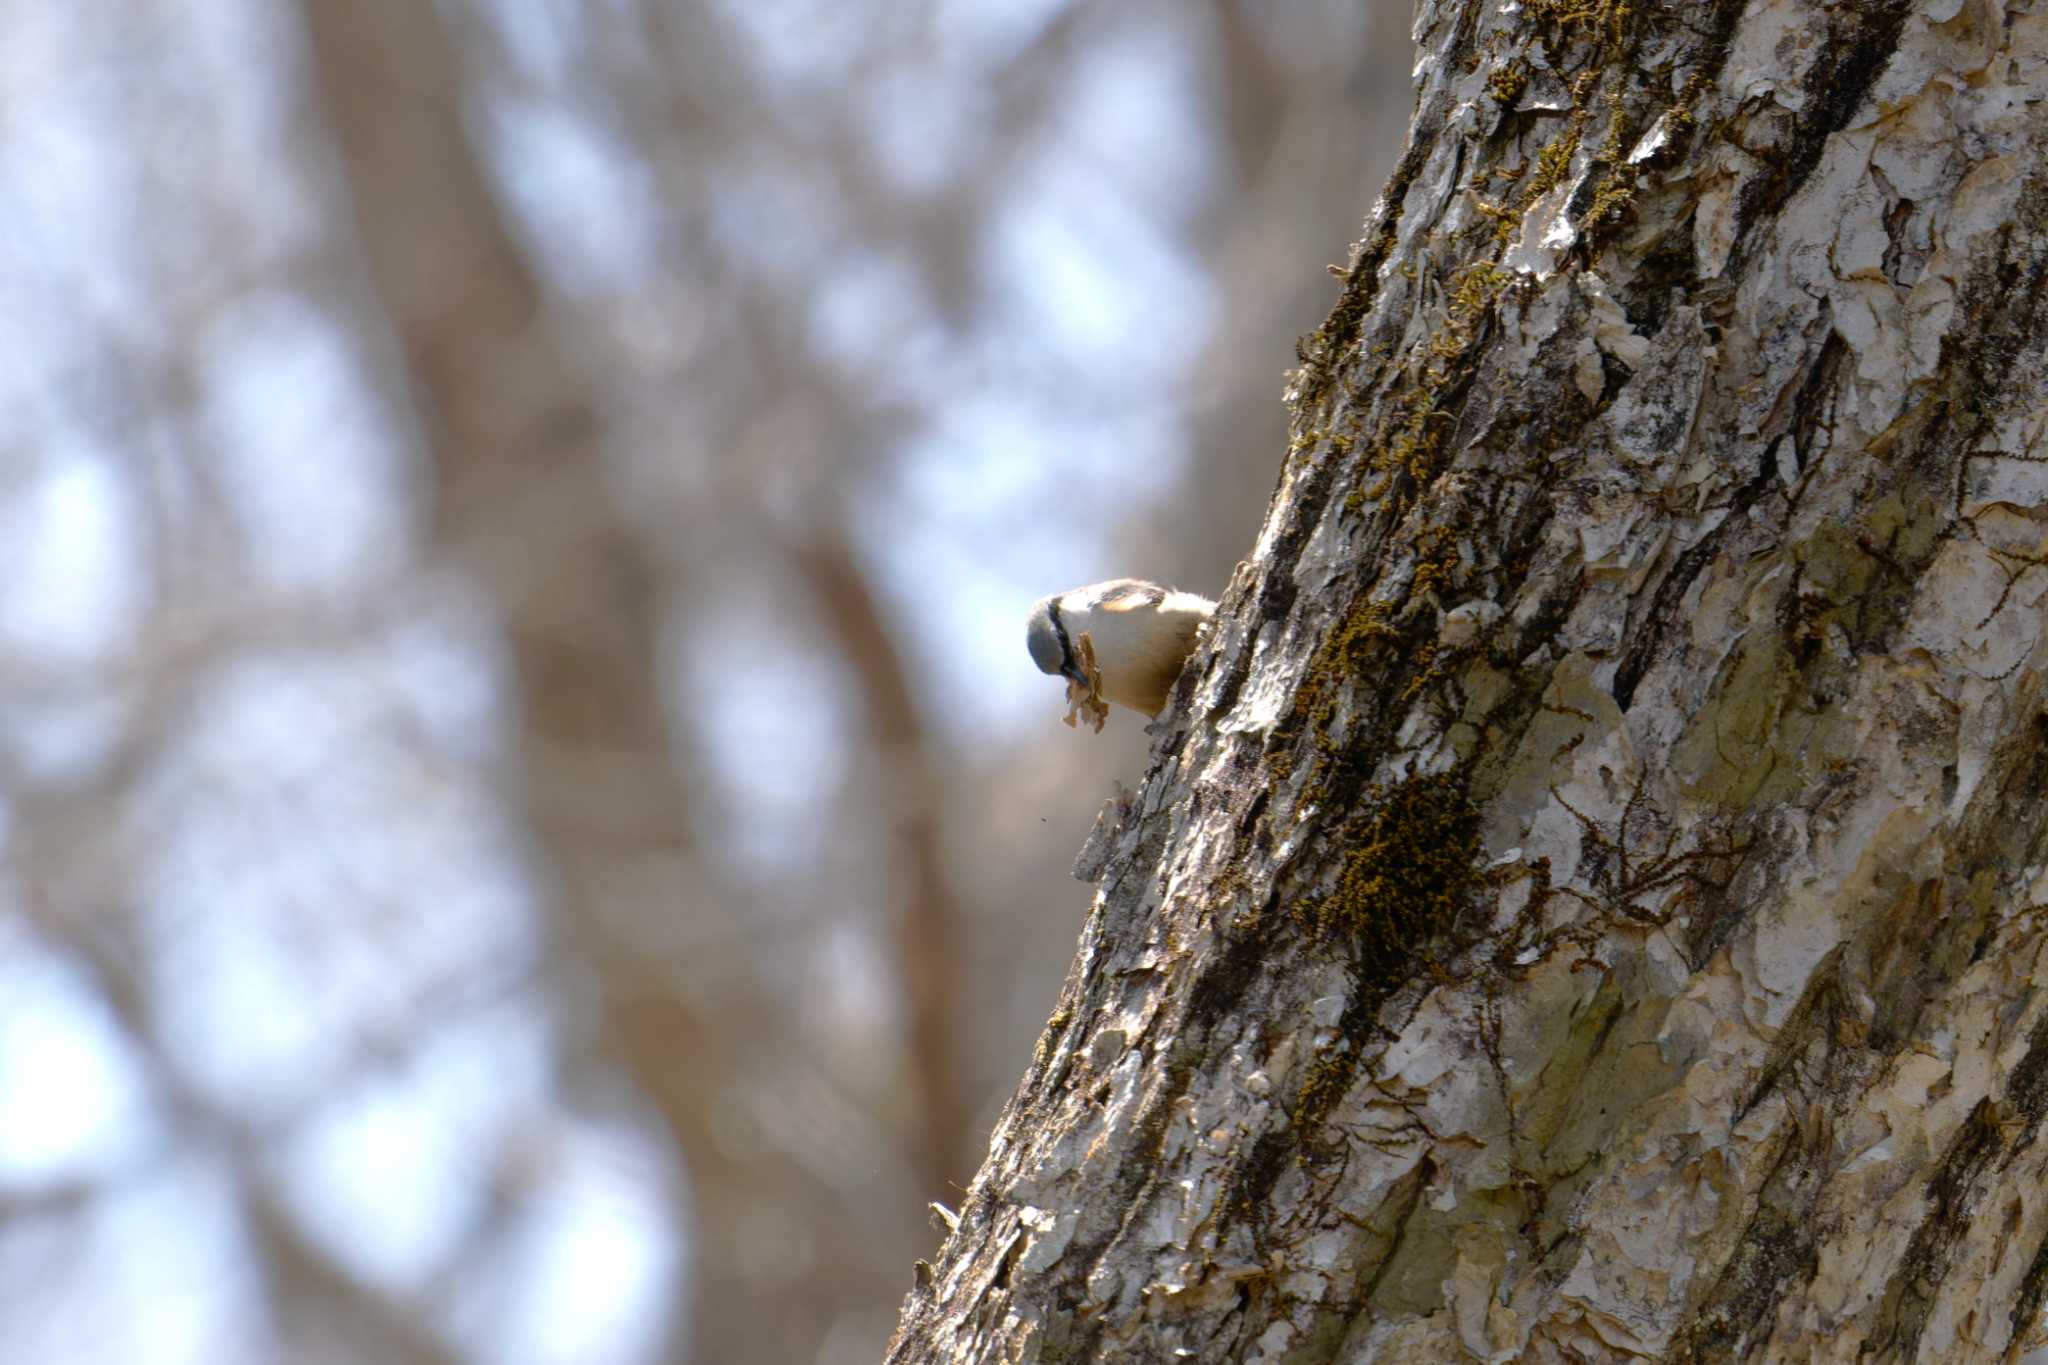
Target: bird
(1140,633)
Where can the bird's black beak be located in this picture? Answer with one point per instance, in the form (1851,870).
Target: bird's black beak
(1073,673)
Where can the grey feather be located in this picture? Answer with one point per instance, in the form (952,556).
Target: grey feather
(1043,639)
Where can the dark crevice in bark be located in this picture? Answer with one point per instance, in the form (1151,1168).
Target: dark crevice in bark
(1779,1246)
(2026,1307)
(1278,591)
(1664,614)
(1819,1014)
(2005,300)
(1716,34)
(1915,1286)
(1406,868)
(1813,404)
(1323,352)
(1335,1318)
(2015,823)
(2026,1091)
(1716,916)
(1668,276)
(1815,393)
(1917,952)
(1269,1157)
(1860,42)
(1417,1181)
(1920,950)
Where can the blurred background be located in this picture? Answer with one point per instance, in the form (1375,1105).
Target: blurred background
(530,834)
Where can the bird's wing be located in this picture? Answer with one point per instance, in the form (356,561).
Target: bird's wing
(1132,596)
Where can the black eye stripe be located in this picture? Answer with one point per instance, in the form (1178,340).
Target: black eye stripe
(1059,632)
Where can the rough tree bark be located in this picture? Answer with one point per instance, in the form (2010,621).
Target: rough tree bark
(1586,899)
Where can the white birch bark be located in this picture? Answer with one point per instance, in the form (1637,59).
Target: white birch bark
(1586,902)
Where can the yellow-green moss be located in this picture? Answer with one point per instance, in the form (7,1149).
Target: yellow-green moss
(1606,23)
(1506,83)
(1473,291)
(1324,1087)
(1617,189)
(1608,20)
(1345,654)
(1413,454)
(1553,161)
(1564,12)
(1048,1040)
(1415,444)
(1408,861)
(1436,562)
(1504,219)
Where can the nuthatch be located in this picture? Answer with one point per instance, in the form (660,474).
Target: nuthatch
(1141,635)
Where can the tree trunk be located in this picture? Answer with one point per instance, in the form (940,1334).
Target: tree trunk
(1585,901)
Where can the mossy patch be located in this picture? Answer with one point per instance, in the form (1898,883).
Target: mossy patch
(1412,451)
(1507,82)
(1553,161)
(1409,861)
(1408,865)
(1327,1083)
(1617,188)
(1343,656)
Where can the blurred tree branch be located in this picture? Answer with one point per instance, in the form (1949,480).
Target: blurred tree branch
(927,924)
(525,498)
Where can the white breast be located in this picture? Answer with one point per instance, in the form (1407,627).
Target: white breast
(1141,648)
